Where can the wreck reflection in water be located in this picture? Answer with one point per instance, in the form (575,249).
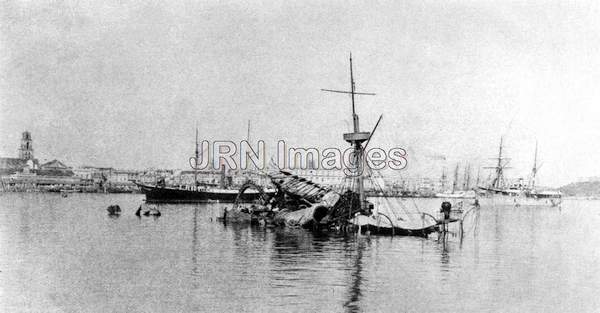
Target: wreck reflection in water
(65,254)
(354,294)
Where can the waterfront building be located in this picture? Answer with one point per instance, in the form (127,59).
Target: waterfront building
(336,178)
(122,177)
(55,168)
(25,162)
(26,149)
(330,178)
(239,177)
(84,173)
(426,187)
(204,177)
(150,176)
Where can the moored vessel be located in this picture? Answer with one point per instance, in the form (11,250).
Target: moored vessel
(199,193)
(165,194)
(499,193)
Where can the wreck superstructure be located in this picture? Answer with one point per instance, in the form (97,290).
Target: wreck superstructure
(300,202)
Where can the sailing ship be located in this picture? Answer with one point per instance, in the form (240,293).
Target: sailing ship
(519,193)
(201,192)
(455,192)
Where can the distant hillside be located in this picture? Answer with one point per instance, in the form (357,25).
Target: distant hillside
(586,189)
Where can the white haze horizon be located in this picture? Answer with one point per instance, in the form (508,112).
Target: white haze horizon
(125,84)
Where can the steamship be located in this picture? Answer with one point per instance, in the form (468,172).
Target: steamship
(520,193)
(162,194)
(198,193)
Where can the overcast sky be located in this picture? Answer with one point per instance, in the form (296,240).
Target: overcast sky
(122,83)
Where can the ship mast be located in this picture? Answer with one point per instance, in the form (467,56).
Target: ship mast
(248,136)
(443,180)
(197,156)
(455,182)
(467,177)
(498,181)
(356,138)
(499,175)
(534,169)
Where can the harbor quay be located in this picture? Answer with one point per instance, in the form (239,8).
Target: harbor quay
(26,173)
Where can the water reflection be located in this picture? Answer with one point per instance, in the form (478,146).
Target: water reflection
(355,293)
(195,272)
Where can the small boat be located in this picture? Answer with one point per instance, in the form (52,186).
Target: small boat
(113,209)
(152,212)
(147,211)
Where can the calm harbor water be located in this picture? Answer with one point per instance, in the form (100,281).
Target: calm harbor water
(67,255)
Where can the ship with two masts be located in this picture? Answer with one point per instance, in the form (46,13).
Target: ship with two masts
(517,193)
(202,192)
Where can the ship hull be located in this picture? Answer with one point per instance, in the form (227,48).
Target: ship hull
(156,194)
(518,201)
(460,195)
(376,225)
(503,197)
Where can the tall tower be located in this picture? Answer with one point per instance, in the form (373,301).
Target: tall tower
(26,149)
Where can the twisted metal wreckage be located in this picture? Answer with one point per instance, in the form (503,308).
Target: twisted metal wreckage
(300,202)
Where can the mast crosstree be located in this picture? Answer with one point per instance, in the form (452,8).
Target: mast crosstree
(356,138)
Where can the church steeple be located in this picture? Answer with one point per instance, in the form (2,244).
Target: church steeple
(26,149)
